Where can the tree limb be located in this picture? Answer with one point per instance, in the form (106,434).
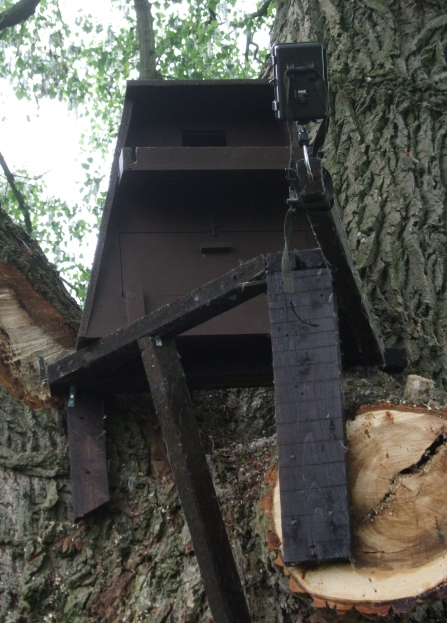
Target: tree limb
(262,11)
(18,13)
(146,39)
(18,195)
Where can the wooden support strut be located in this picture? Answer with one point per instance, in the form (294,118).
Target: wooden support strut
(309,416)
(99,360)
(214,298)
(353,307)
(193,480)
(357,322)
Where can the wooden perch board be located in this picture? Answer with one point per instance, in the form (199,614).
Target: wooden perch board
(397,467)
(193,480)
(309,417)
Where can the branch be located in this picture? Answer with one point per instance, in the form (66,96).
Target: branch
(146,39)
(247,47)
(18,13)
(262,11)
(18,195)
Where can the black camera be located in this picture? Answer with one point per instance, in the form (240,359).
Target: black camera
(301,82)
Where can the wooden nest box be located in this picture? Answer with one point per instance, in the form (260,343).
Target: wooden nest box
(197,187)
(197,196)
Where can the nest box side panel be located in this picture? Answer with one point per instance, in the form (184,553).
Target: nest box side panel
(108,207)
(108,312)
(181,229)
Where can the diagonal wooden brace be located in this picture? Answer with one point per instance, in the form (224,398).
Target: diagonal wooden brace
(353,306)
(193,479)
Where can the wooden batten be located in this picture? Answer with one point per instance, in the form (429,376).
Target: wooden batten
(88,463)
(309,417)
(397,467)
(90,364)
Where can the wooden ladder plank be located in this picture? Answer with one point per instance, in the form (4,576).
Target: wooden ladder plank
(309,414)
(88,463)
(193,480)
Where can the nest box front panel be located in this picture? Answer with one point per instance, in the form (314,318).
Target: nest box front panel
(170,247)
(199,188)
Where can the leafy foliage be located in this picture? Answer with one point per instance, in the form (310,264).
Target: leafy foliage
(85,61)
(60,229)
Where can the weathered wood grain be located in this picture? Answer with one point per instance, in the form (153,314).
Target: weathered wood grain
(193,480)
(88,463)
(309,414)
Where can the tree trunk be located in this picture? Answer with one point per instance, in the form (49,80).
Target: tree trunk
(387,153)
(133,561)
(397,466)
(17,13)
(146,40)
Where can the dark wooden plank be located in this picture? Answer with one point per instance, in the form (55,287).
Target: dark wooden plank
(299,260)
(309,410)
(309,414)
(235,287)
(88,463)
(395,359)
(108,206)
(133,86)
(194,483)
(285,339)
(351,297)
(203,158)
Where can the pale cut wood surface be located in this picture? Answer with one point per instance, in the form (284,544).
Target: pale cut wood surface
(33,334)
(398,478)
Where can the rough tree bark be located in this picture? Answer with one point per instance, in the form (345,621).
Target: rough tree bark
(134,561)
(146,40)
(17,13)
(387,152)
